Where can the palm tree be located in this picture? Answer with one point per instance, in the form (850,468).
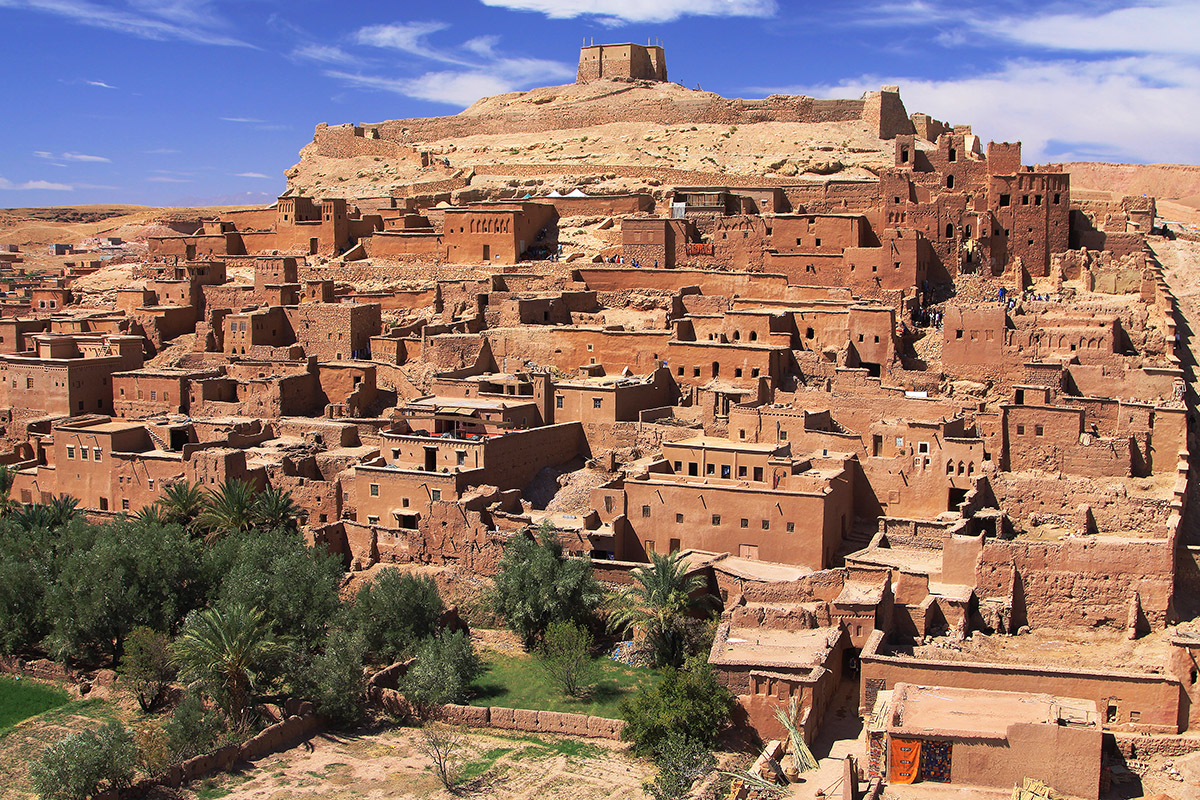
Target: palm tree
(226,653)
(152,514)
(228,508)
(274,509)
(182,503)
(63,509)
(660,602)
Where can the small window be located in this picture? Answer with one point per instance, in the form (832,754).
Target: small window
(679,519)
(372,520)
(766,524)
(923,448)
(645,511)
(83,453)
(1005,200)
(70,451)
(96,457)
(791,527)
(1038,430)
(125,505)
(716,519)
(1020,430)
(710,469)
(596,402)
(958,334)
(435,494)
(374,490)
(404,502)
(725,473)
(744,523)
(741,472)
(558,401)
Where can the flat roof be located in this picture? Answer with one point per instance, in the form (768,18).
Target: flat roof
(718,443)
(980,713)
(769,647)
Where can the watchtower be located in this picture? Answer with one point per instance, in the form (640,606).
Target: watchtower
(642,62)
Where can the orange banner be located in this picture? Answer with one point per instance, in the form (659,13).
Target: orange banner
(906,760)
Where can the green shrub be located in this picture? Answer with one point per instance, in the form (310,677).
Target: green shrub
(567,657)
(681,762)
(443,672)
(147,666)
(537,585)
(689,701)
(395,612)
(338,684)
(193,729)
(84,763)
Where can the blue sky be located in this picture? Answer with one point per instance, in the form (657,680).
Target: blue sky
(168,102)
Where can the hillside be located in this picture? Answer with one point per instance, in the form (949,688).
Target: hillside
(561,137)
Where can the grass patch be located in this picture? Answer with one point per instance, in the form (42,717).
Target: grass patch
(517,681)
(473,769)
(23,699)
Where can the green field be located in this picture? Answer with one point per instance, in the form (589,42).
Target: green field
(517,681)
(24,699)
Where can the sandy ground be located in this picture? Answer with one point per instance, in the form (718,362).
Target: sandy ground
(388,764)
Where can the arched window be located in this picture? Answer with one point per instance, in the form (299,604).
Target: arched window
(949,181)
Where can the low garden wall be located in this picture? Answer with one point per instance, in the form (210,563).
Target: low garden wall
(301,725)
(508,719)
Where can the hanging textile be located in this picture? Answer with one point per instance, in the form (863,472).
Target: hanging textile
(935,762)
(906,760)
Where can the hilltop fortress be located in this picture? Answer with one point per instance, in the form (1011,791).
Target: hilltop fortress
(913,406)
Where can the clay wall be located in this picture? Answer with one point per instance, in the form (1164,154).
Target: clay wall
(335,331)
(723,516)
(1152,699)
(569,348)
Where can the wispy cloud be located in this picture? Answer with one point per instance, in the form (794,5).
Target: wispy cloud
(8,186)
(617,12)
(160,20)
(408,37)
(167,179)
(252,175)
(482,70)
(100,84)
(77,157)
(325,54)
(162,151)
(243,120)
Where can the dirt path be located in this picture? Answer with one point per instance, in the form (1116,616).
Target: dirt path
(388,764)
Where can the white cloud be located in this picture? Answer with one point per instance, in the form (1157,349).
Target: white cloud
(100,84)
(84,157)
(1136,108)
(409,37)
(482,69)
(8,186)
(167,179)
(621,11)
(158,20)
(462,88)
(1167,26)
(245,120)
(252,175)
(325,54)
(78,157)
